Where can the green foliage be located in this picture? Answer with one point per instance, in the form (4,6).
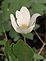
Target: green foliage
(2,42)
(9,54)
(28,36)
(1,30)
(19,51)
(10,6)
(40,1)
(36,26)
(37,57)
(40,8)
(14,35)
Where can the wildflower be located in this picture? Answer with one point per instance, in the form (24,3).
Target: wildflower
(23,24)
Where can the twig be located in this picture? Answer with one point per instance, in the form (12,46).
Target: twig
(2,54)
(5,33)
(41,49)
(38,36)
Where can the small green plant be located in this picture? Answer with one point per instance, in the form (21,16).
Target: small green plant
(17,20)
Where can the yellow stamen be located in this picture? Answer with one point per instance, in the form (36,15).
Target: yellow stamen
(24,26)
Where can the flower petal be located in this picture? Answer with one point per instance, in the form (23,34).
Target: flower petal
(33,18)
(19,18)
(25,13)
(13,22)
(17,28)
(18,14)
(31,28)
(23,16)
(25,31)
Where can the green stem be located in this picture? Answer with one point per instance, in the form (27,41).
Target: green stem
(24,39)
(34,59)
(4,33)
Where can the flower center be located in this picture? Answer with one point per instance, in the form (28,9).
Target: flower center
(24,26)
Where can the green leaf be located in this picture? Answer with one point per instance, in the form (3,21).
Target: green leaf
(7,25)
(38,60)
(36,56)
(9,54)
(13,34)
(36,26)
(10,6)
(39,1)
(19,51)
(5,10)
(17,4)
(2,42)
(7,47)
(28,36)
(1,30)
(23,51)
(37,7)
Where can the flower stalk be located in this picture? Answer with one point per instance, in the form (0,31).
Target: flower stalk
(24,40)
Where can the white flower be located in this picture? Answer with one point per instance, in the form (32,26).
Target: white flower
(23,24)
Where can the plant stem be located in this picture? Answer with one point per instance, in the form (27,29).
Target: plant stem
(5,33)
(34,59)
(41,49)
(38,36)
(24,39)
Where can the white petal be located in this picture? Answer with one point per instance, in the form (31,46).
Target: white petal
(13,22)
(18,14)
(23,16)
(31,28)
(15,26)
(25,31)
(34,17)
(19,18)
(25,13)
